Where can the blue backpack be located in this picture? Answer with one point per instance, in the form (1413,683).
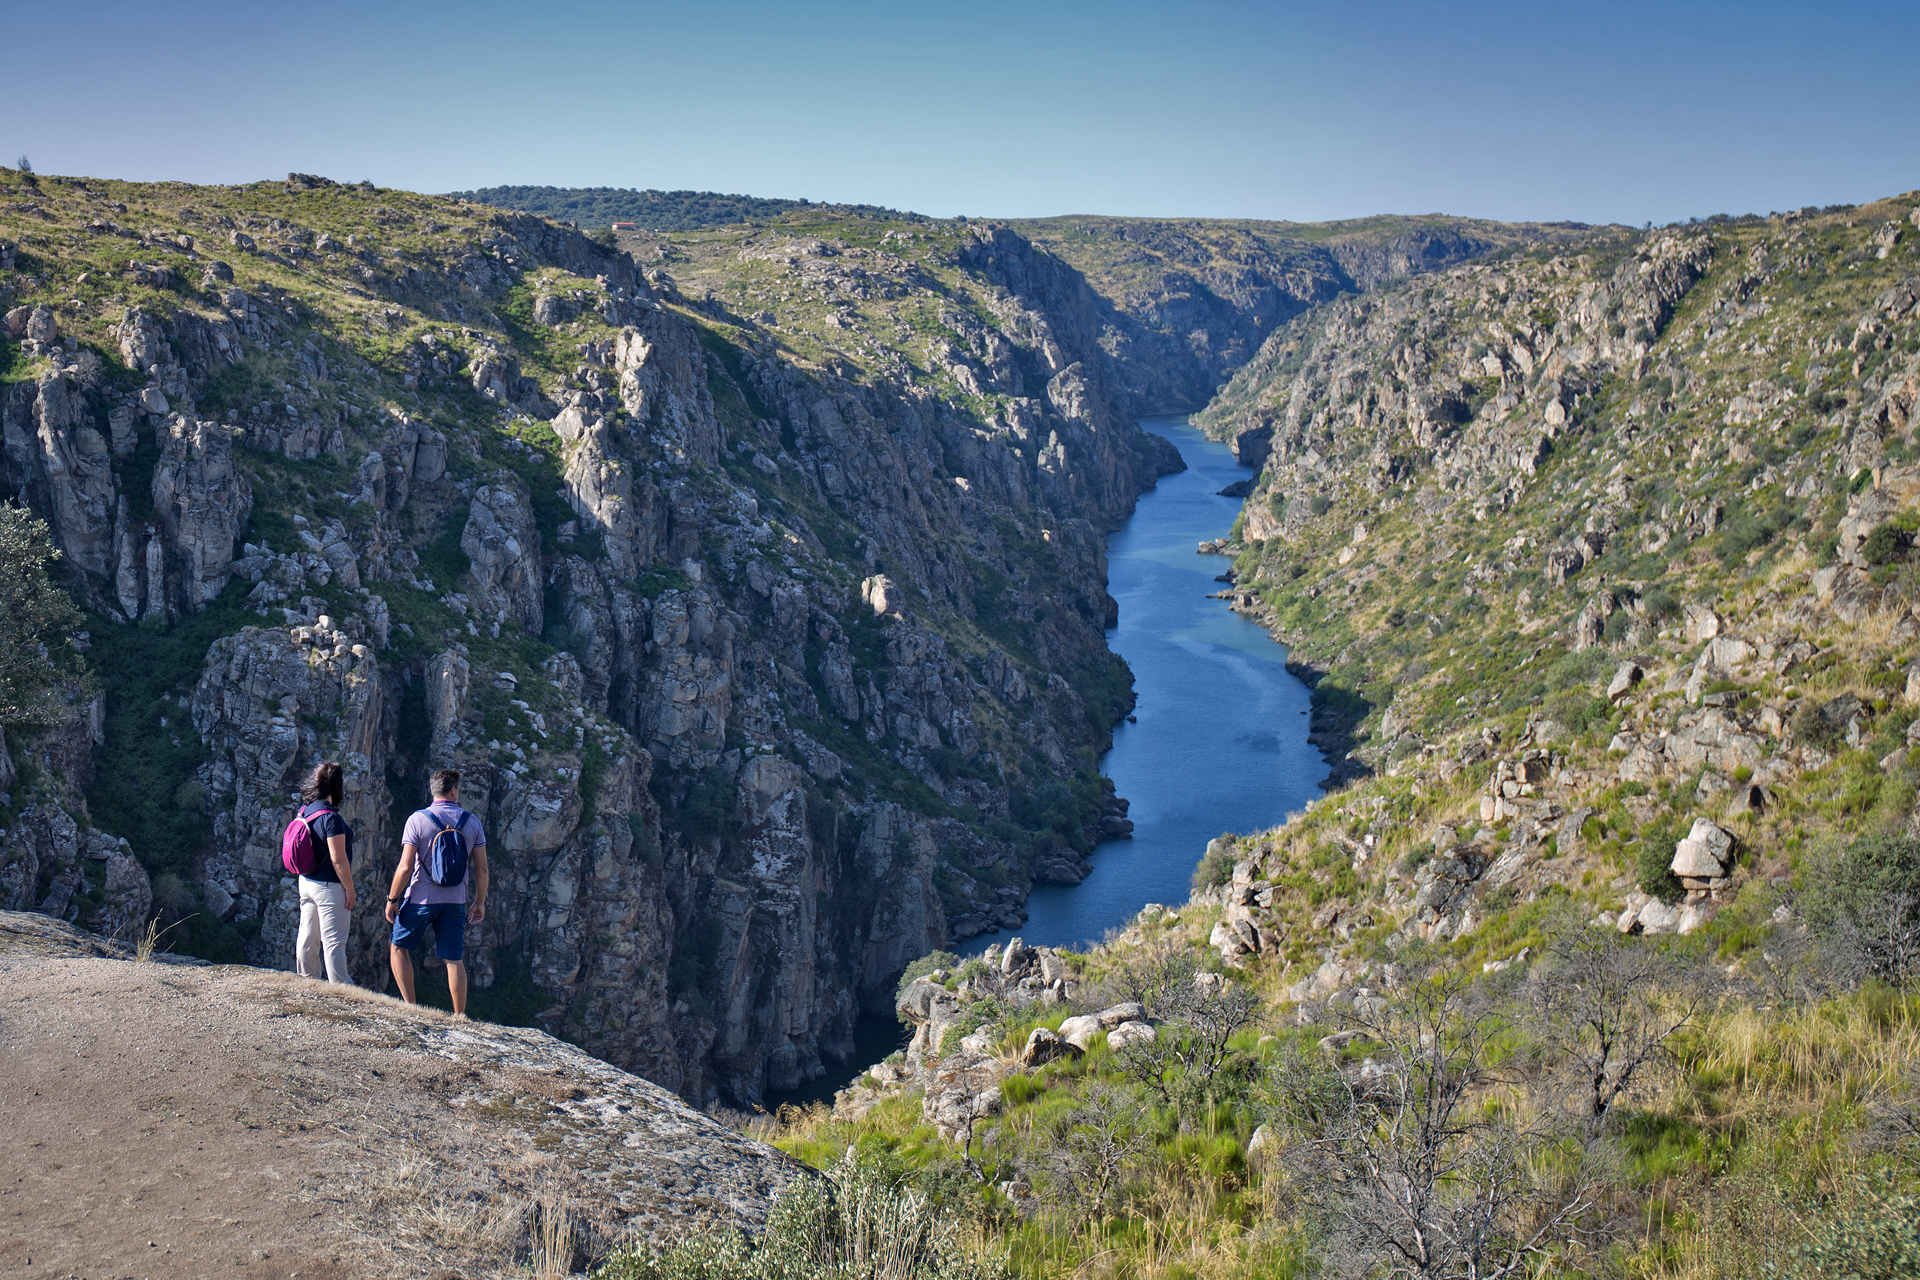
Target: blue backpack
(446,852)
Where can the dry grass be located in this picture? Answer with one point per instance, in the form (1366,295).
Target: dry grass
(553,1238)
(149,942)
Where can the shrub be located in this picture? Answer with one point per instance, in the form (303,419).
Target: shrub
(1808,726)
(857,1223)
(1887,543)
(1874,1235)
(39,668)
(1660,604)
(1654,870)
(1862,904)
(925,965)
(1216,867)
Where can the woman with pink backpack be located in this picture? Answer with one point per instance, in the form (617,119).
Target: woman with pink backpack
(318,847)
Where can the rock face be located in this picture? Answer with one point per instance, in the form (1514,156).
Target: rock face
(766,676)
(100,1045)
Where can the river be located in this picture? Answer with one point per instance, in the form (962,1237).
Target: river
(1218,741)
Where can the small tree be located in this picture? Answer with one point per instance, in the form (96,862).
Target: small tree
(1096,1148)
(40,671)
(1199,1014)
(1607,1008)
(1415,1163)
(25,165)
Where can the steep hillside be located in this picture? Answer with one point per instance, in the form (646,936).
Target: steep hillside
(1607,548)
(766,672)
(219,1121)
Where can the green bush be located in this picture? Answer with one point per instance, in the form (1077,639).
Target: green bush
(1807,725)
(1862,904)
(1216,867)
(1875,1235)
(857,1223)
(925,965)
(40,671)
(1660,604)
(1654,870)
(1886,544)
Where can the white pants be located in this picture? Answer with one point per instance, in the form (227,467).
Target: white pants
(323,928)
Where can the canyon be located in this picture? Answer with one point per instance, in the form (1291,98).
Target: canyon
(753,579)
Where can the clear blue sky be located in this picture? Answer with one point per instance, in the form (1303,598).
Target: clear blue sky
(1601,112)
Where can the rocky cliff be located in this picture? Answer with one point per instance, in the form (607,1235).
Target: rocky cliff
(1604,558)
(768,669)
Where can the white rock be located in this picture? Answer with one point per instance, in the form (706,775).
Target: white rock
(1705,854)
(1079,1032)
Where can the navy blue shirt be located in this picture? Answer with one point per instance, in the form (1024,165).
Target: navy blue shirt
(324,828)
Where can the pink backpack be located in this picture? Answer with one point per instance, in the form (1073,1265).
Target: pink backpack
(300,847)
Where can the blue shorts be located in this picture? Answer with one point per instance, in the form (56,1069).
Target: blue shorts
(449,921)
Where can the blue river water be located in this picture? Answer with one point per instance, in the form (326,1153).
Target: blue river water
(1219,738)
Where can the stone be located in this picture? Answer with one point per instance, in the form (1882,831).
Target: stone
(154,401)
(1702,623)
(1625,677)
(41,326)
(881,594)
(1127,1011)
(1705,853)
(1043,1046)
(1079,1031)
(1128,1034)
(1658,917)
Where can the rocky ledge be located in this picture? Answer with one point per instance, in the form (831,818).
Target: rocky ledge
(259,1124)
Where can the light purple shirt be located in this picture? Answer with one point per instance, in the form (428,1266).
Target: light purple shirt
(420,830)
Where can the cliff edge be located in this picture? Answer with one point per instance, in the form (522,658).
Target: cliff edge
(183,1119)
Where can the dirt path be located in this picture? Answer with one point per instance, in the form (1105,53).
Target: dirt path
(164,1120)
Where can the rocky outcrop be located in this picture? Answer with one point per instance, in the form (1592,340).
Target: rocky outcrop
(219,1065)
(1187,303)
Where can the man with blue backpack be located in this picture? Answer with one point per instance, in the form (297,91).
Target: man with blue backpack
(442,851)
